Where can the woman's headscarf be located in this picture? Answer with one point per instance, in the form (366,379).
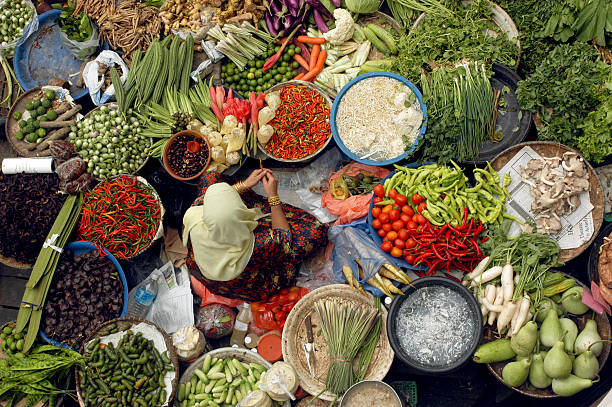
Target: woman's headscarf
(221,233)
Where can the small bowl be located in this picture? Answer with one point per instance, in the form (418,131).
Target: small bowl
(393,316)
(369,384)
(167,148)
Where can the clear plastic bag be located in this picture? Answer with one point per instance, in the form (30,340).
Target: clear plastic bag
(94,82)
(82,50)
(71,169)
(31,27)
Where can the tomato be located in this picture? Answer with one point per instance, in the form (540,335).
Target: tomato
(411,225)
(410,243)
(293,297)
(401,199)
(420,219)
(377,199)
(392,194)
(399,243)
(387,227)
(417,199)
(407,210)
(396,252)
(392,235)
(394,215)
(397,225)
(383,217)
(409,259)
(422,207)
(403,234)
(387,208)
(382,233)
(376,224)
(376,212)
(405,218)
(386,247)
(379,191)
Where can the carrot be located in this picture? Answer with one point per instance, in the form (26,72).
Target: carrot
(299,77)
(314,55)
(298,58)
(311,40)
(280,42)
(318,67)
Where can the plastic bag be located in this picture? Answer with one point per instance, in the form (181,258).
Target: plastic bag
(356,206)
(82,50)
(71,169)
(353,242)
(31,27)
(316,272)
(273,313)
(210,298)
(94,82)
(62,149)
(216,320)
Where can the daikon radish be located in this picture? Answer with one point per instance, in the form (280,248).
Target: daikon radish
(477,270)
(488,297)
(507,281)
(499,300)
(505,316)
(488,275)
(522,314)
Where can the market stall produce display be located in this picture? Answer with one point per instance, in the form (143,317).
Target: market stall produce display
(187,155)
(604,268)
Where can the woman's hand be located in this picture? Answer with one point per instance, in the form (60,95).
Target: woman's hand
(270,183)
(254,178)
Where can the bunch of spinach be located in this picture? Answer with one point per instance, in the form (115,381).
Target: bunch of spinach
(78,28)
(563,90)
(445,40)
(596,144)
(586,20)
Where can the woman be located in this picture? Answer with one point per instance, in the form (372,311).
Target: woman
(242,245)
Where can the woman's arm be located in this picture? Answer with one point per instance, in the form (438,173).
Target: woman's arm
(270,184)
(250,182)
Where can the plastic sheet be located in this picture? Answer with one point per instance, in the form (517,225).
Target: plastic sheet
(82,49)
(93,81)
(30,28)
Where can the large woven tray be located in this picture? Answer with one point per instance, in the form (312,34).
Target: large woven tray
(294,338)
(603,327)
(550,149)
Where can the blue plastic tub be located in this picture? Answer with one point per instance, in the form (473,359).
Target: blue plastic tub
(334,111)
(43,57)
(80,247)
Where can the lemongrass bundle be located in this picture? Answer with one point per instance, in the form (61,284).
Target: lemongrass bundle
(346,328)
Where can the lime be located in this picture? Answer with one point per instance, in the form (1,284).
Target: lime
(7,330)
(46,103)
(19,344)
(40,110)
(22,124)
(31,137)
(50,95)
(295,65)
(51,115)
(259,64)
(29,106)
(35,104)
(41,132)
(19,135)
(17,115)
(251,75)
(290,52)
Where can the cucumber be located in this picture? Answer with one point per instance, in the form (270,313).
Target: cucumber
(375,40)
(385,36)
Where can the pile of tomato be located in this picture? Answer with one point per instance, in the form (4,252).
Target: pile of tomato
(272,314)
(394,217)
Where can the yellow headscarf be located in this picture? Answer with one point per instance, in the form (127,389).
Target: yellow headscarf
(221,233)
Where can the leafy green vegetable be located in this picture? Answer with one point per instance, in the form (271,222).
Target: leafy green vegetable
(441,39)
(596,143)
(78,28)
(563,90)
(586,20)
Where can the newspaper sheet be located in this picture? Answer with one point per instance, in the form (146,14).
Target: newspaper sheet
(577,227)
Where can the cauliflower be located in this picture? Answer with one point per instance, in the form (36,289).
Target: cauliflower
(345,26)
(265,134)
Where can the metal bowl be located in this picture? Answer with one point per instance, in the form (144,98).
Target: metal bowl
(370,384)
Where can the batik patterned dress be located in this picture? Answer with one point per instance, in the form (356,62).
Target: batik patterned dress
(277,253)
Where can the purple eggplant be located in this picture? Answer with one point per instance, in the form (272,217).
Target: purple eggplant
(293,6)
(320,21)
(270,24)
(336,3)
(275,8)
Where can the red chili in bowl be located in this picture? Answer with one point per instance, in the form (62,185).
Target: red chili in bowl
(182,161)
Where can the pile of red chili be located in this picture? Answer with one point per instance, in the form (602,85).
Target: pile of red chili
(121,215)
(447,247)
(301,125)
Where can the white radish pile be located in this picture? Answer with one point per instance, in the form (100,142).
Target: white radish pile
(496,301)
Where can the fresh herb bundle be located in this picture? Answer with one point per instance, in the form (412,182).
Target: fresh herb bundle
(584,20)
(442,39)
(563,90)
(77,28)
(346,328)
(596,143)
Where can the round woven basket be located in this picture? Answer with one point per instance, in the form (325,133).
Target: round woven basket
(603,327)
(327,99)
(243,355)
(550,149)
(132,322)
(294,338)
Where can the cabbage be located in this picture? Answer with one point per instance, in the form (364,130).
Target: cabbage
(363,6)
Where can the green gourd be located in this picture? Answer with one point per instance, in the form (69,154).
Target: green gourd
(525,340)
(537,376)
(570,331)
(495,351)
(557,363)
(570,385)
(516,373)
(571,300)
(550,331)
(586,365)
(545,305)
(589,336)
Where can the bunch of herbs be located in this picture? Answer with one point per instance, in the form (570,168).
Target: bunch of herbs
(596,143)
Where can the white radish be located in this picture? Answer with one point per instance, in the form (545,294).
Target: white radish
(477,270)
(517,277)
(488,275)
(514,318)
(489,295)
(522,314)
(492,307)
(499,300)
(505,316)
(507,281)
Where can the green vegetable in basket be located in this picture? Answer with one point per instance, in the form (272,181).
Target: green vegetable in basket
(363,6)
(77,28)
(17,115)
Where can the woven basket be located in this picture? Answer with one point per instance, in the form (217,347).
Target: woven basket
(603,327)
(550,149)
(294,338)
(134,321)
